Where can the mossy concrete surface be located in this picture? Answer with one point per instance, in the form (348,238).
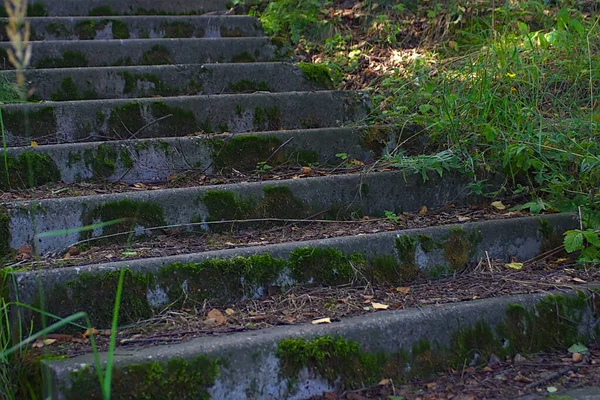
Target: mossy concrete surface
(166,80)
(141,27)
(117,7)
(98,120)
(154,160)
(358,351)
(155,283)
(100,53)
(297,198)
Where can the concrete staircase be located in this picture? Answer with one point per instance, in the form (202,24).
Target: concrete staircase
(137,92)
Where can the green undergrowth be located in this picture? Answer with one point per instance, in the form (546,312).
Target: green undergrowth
(555,322)
(505,89)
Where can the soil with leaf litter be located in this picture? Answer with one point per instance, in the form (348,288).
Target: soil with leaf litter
(174,240)
(298,305)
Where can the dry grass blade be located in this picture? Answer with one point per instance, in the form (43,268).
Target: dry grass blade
(18,31)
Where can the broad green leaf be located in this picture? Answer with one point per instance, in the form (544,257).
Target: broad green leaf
(573,240)
(592,237)
(578,348)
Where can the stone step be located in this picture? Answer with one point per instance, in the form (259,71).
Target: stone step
(139,27)
(170,80)
(54,224)
(102,53)
(43,8)
(156,283)
(155,160)
(302,361)
(99,120)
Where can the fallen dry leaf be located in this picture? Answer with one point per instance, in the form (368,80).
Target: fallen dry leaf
(403,290)
(229,311)
(321,321)
(38,344)
(514,265)
(379,306)
(90,331)
(579,280)
(423,210)
(217,316)
(48,342)
(498,205)
(385,382)
(463,219)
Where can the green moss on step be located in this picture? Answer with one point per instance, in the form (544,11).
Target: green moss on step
(267,119)
(30,122)
(160,88)
(102,162)
(243,153)
(325,266)
(123,216)
(182,122)
(95,294)
(157,55)
(69,91)
(70,59)
(384,269)
(86,30)
(57,29)
(5,235)
(246,85)
(220,280)
(177,378)
(555,322)
(406,248)
(30,169)
(120,30)
(460,247)
(126,120)
(277,202)
(243,57)
(319,74)
(179,30)
(37,10)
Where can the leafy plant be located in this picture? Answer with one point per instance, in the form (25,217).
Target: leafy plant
(423,164)
(587,242)
(392,217)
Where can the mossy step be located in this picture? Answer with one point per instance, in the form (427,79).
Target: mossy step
(154,160)
(226,276)
(44,8)
(138,27)
(50,225)
(99,120)
(170,80)
(302,361)
(102,53)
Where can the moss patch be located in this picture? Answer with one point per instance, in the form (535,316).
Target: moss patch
(70,59)
(406,248)
(319,74)
(375,138)
(160,87)
(182,122)
(126,120)
(460,247)
(102,162)
(244,57)
(177,378)
(243,153)
(58,30)
(123,216)
(267,119)
(179,30)
(29,169)
(5,235)
(552,323)
(157,55)
(246,85)
(277,202)
(324,266)
(33,123)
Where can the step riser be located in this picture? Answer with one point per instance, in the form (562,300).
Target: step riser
(521,239)
(101,53)
(276,199)
(42,8)
(154,160)
(249,364)
(99,120)
(109,28)
(163,80)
